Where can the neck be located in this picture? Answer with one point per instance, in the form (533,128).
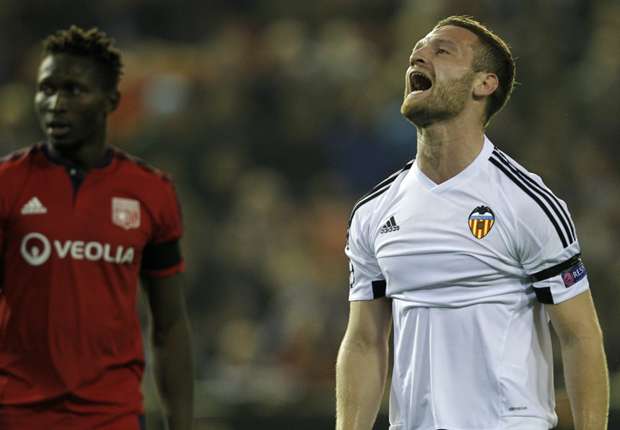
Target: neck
(86,154)
(445,149)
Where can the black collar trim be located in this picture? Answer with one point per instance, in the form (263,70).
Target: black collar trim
(56,158)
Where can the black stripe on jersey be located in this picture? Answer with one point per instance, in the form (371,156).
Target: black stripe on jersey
(553,201)
(140,163)
(555,270)
(161,256)
(544,295)
(392,177)
(378,289)
(366,199)
(527,191)
(379,189)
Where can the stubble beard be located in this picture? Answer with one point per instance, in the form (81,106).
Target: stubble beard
(447,102)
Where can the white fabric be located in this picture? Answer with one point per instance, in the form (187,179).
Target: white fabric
(471,342)
(523,423)
(509,423)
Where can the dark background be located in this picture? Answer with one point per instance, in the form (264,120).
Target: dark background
(274,116)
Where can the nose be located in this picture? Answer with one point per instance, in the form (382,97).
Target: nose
(418,58)
(56,102)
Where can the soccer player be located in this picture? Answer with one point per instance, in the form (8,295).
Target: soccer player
(80,222)
(468,255)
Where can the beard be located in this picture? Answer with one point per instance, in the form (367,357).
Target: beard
(447,101)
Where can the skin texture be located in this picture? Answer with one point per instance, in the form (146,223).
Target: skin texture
(172,348)
(362,364)
(450,118)
(585,366)
(72,94)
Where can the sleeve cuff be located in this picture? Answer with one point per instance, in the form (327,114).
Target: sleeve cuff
(164,273)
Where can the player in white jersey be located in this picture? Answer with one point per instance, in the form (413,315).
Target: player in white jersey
(468,256)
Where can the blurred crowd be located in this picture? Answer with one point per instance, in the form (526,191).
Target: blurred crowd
(273,117)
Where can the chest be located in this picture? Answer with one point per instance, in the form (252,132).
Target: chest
(459,238)
(99,218)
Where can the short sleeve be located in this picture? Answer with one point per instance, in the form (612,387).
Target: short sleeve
(550,253)
(366,282)
(162,255)
(4,217)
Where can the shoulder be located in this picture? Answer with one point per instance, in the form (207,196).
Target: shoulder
(369,201)
(139,168)
(516,187)
(531,198)
(19,157)
(527,188)
(510,169)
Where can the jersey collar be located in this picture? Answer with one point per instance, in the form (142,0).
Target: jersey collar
(468,172)
(105,161)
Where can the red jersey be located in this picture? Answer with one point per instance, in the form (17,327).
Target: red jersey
(73,246)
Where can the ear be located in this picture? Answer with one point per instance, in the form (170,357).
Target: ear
(114,98)
(485,84)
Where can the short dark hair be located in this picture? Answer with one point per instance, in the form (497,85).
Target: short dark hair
(495,57)
(92,43)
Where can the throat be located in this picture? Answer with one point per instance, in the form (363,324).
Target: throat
(432,162)
(82,157)
(443,159)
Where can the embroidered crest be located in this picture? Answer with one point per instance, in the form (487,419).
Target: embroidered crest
(125,212)
(481,221)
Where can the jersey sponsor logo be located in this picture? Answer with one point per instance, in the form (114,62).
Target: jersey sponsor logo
(125,212)
(481,221)
(389,226)
(574,274)
(36,249)
(33,207)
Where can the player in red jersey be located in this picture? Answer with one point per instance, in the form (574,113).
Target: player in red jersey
(80,222)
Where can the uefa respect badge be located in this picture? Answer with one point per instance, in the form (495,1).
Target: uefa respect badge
(574,274)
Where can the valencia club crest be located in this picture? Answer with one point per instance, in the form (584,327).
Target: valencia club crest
(481,221)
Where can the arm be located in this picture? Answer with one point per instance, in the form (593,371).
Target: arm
(361,369)
(583,356)
(172,348)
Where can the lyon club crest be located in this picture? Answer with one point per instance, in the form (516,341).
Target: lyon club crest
(125,212)
(481,221)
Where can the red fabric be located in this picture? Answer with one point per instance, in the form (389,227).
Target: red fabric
(72,325)
(60,414)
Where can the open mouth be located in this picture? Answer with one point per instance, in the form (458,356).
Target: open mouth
(419,82)
(57,128)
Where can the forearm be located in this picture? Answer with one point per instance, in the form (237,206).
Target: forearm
(361,372)
(174,373)
(587,383)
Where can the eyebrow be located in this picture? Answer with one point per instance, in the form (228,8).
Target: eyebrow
(436,41)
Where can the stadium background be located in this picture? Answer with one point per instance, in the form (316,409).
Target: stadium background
(274,116)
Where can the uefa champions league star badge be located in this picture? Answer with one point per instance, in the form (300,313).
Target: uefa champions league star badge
(481,221)
(125,212)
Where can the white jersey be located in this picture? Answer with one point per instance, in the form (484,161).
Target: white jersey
(467,264)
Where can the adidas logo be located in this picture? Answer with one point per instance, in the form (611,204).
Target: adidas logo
(389,226)
(33,207)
